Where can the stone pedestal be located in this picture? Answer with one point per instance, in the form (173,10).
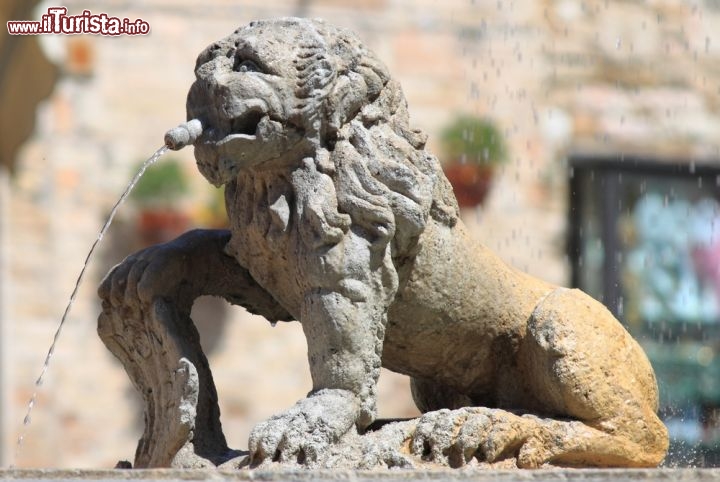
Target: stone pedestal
(555,475)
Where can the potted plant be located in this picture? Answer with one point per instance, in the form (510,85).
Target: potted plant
(158,197)
(473,148)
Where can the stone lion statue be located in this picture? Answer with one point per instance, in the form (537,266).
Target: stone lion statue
(341,220)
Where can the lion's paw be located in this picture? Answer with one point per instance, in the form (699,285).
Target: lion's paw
(455,437)
(303,433)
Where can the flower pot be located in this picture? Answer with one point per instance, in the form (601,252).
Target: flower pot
(471,182)
(161,225)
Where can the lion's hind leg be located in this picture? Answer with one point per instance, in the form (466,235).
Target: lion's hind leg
(588,398)
(456,437)
(575,444)
(581,364)
(495,436)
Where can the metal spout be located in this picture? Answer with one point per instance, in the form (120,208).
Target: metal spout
(184,134)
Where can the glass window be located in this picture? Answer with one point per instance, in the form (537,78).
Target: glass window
(645,240)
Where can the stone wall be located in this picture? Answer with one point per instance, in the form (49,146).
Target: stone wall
(559,77)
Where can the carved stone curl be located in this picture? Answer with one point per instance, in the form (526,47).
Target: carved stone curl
(340,219)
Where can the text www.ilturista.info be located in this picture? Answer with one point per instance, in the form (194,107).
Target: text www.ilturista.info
(57,21)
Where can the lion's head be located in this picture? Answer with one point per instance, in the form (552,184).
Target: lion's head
(280,91)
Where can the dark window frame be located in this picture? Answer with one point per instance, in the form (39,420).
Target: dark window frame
(606,168)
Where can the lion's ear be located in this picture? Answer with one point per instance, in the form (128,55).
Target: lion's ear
(375,74)
(346,98)
(353,90)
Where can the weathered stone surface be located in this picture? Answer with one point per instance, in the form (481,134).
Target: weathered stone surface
(585,475)
(341,220)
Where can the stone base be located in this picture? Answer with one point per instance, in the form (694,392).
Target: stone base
(549,475)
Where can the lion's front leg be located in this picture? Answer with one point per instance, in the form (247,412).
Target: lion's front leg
(344,324)
(146,324)
(344,345)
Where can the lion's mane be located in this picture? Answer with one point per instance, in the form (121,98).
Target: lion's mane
(384,179)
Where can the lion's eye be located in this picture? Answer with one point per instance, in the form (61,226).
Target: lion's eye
(247,66)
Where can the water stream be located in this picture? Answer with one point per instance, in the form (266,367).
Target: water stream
(39,381)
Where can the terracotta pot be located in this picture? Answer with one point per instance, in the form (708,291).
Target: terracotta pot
(161,225)
(470,182)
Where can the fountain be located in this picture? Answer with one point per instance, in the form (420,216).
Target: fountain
(341,219)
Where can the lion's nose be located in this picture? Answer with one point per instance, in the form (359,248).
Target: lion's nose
(184,134)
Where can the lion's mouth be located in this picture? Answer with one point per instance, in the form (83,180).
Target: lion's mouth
(245,132)
(237,142)
(247,124)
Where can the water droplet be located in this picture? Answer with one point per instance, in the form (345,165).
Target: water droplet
(273,324)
